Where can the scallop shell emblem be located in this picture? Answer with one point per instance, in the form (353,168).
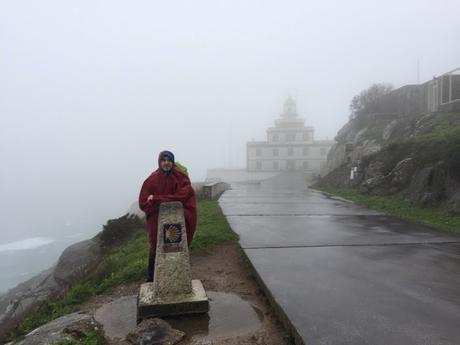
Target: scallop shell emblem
(172,234)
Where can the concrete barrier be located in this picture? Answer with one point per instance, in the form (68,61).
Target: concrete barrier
(212,191)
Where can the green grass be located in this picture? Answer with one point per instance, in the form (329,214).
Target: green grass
(396,206)
(123,264)
(212,226)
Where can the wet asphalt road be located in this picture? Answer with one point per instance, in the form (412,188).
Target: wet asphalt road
(344,274)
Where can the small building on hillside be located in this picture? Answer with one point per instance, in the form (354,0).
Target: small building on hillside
(290,146)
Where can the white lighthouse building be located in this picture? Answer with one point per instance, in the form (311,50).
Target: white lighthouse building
(290,146)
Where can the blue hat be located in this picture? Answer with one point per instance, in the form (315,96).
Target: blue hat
(166,154)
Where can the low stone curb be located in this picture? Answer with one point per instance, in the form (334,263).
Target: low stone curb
(282,316)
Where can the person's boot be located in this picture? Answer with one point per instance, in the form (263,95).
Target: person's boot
(151,267)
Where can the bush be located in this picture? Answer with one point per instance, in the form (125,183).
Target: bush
(117,231)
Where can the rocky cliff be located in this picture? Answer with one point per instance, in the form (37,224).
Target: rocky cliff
(415,156)
(76,262)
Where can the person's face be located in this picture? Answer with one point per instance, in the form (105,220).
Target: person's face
(166,164)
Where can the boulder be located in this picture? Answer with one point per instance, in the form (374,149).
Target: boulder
(429,185)
(454,203)
(76,261)
(72,327)
(388,130)
(155,332)
(374,169)
(335,158)
(402,173)
(372,184)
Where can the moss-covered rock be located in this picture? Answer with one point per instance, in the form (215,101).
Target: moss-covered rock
(419,159)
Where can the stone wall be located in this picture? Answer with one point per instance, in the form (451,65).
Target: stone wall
(406,100)
(212,191)
(440,94)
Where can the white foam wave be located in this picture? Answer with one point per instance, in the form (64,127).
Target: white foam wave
(26,244)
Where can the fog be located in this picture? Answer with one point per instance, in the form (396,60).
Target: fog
(91,91)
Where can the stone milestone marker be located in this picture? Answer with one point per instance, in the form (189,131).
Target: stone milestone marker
(173,292)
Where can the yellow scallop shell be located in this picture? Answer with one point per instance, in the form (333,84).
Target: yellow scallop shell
(172,234)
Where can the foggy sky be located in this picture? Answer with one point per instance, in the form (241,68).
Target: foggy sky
(91,91)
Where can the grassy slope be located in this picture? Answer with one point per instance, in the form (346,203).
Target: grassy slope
(438,142)
(212,226)
(126,263)
(401,208)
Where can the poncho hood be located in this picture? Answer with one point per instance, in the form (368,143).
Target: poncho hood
(166,154)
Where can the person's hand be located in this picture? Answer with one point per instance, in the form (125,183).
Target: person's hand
(150,198)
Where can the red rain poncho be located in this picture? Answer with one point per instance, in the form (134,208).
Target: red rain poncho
(174,186)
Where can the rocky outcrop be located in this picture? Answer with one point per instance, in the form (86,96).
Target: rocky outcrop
(401,175)
(155,332)
(416,157)
(18,302)
(73,265)
(369,133)
(72,327)
(76,262)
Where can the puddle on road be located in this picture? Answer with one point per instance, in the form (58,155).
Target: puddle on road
(229,316)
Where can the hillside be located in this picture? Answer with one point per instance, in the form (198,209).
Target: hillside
(414,157)
(69,313)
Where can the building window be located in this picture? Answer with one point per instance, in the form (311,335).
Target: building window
(322,151)
(258,152)
(290,136)
(275,137)
(290,151)
(305,164)
(305,151)
(276,165)
(275,152)
(258,165)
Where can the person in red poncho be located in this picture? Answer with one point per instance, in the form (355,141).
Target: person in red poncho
(167,183)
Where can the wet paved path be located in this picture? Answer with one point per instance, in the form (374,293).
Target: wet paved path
(344,274)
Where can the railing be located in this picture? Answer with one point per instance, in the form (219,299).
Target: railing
(444,90)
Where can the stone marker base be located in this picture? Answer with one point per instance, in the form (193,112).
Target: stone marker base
(149,306)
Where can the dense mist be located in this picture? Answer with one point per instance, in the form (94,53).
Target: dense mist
(91,91)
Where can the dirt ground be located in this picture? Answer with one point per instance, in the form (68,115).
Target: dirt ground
(221,268)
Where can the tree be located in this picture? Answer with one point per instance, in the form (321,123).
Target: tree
(362,103)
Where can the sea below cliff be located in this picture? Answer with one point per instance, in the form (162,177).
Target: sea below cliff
(25,258)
